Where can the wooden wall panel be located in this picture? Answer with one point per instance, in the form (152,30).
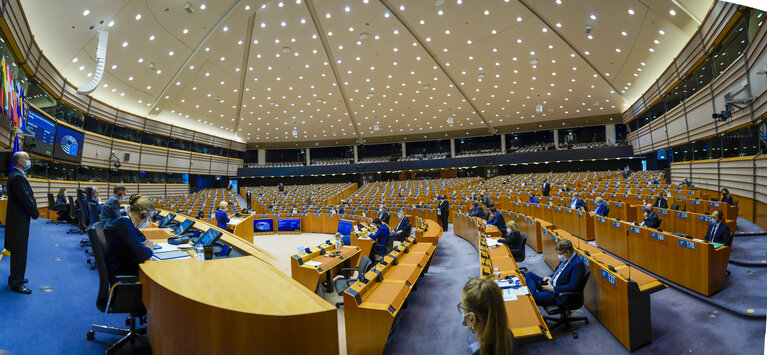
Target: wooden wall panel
(153,158)
(5,136)
(676,127)
(153,191)
(178,161)
(176,189)
(203,138)
(157,127)
(667,80)
(238,146)
(103,111)
(658,132)
(182,133)
(72,97)
(130,120)
(219,166)
(715,23)
(705,174)
(96,150)
(699,110)
(689,55)
(730,81)
(40,189)
(200,164)
(121,147)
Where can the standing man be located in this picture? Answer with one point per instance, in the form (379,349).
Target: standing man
(546,188)
(21,207)
(444,211)
(383,215)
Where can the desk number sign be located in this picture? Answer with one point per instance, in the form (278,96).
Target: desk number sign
(657,236)
(681,214)
(585,261)
(687,244)
(695,202)
(714,204)
(608,276)
(634,229)
(601,220)
(616,224)
(706,219)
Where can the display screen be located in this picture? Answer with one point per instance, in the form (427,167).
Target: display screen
(263,225)
(345,227)
(184,227)
(44,130)
(168,218)
(289,224)
(68,144)
(210,237)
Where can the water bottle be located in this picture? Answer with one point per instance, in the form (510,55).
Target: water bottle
(200,251)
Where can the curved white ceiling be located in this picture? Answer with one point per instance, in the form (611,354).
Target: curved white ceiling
(362,69)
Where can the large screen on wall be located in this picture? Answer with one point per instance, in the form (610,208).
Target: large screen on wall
(43,130)
(68,144)
(289,224)
(263,225)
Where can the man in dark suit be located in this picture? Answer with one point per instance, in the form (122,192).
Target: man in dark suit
(660,201)
(600,209)
(444,211)
(495,218)
(485,200)
(566,277)
(383,214)
(403,227)
(21,207)
(577,203)
(477,211)
(718,232)
(111,209)
(651,218)
(546,188)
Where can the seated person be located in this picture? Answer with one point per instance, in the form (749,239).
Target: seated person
(61,206)
(600,209)
(477,211)
(718,232)
(726,197)
(94,200)
(660,201)
(496,219)
(111,209)
(532,199)
(655,181)
(200,215)
(577,203)
(403,227)
(126,245)
(222,218)
(513,239)
(485,200)
(686,182)
(379,239)
(342,240)
(566,277)
(651,218)
(484,313)
(383,214)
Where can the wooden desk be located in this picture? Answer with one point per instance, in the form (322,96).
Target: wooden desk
(310,276)
(227,300)
(3,209)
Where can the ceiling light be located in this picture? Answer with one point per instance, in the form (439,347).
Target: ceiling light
(593,17)
(519,18)
(170,53)
(86,12)
(662,32)
(185,31)
(151,37)
(631,11)
(672,12)
(111,23)
(74,60)
(226,28)
(202,6)
(247,7)
(623,33)
(138,17)
(125,44)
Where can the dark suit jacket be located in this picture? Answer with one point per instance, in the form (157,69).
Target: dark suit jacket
(652,220)
(404,225)
(571,276)
(478,212)
(384,217)
(444,207)
(601,210)
(125,248)
(722,235)
(546,188)
(661,202)
(110,210)
(21,207)
(727,199)
(487,202)
(579,203)
(61,203)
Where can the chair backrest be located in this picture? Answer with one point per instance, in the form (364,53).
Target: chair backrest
(607,212)
(51,202)
(72,208)
(389,244)
(674,207)
(93,210)
(365,265)
(84,216)
(99,247)
(522,248)
(734,202)
(574,300)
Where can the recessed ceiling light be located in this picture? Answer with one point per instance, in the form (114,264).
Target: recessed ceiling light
(202,6)
(226,28)
(125,44)
(151,37)
(593,17)
(138,17)
(519,18)
(111,23)
(347,9)
(662,32)
(623,33)
(631,11)
(185,31)
(74,60)
(672,12)
(86,12)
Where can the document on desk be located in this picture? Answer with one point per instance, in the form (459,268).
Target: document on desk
(492,242)
(313,263)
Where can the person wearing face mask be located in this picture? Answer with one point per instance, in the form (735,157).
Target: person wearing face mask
(483,312)
(111,208)
(651,218)
(661,201)
(383,215)
(403,227)
(726,196)
(600,209)
(444,211)
(127,247)
(566,277)
(718,232)
(21,207)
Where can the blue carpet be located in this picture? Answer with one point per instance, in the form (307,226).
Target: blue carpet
(680,323)
(749,250)
(746,226)
(54,322)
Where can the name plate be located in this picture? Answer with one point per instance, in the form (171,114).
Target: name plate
(579,213)
(608,276)
(507,213)
(601,219)
(618,204)
(532,221)
(687,244)
(713,204)
(527,205)
(681,214)
(304,215)
(691,192)
(318,215)
(659,236)
(547,207)
(516,215)
(554,238)
(616,224)
(634,229)
(558,208)
(661,211)
(585,261)
(706,219)
(695,202)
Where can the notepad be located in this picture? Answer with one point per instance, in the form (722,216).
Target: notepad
(492,242)
(313,263)
(171,254)
(717,245)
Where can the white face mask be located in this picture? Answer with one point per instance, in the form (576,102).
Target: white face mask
(143,224)
(561,257)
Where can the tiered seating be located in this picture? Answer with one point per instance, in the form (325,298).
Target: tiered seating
(427,156)
(205,200)
(298,198)
(380,159)
(329,161)
(479,152)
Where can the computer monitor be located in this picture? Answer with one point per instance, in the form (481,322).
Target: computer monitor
(345,226)
(263,225)
(184,227)
(210,237)
(289,225)
(166,221)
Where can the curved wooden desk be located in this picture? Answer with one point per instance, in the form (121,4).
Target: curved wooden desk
(238,305)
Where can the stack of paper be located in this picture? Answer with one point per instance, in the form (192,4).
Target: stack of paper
(313,263)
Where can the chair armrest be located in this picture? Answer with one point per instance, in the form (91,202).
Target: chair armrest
(125,279)
(349,269)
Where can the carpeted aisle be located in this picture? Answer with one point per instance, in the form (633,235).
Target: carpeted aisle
(55,322)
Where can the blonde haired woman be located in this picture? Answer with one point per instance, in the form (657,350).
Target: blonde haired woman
(484,314)
(222,218)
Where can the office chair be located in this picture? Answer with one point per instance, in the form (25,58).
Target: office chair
(674,207)
(567,303)
(83,217)
(607,212)
(344,283)
(72,209)
(734,202)
(124,297)
(59,214)
(518,252)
